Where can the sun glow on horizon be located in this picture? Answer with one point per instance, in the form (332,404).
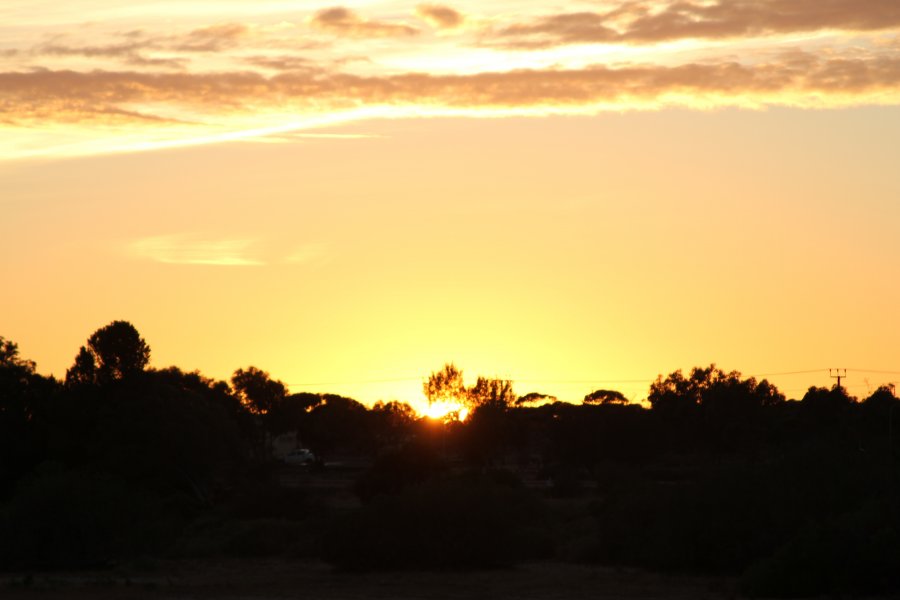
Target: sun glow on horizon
(444,410)
(351,195)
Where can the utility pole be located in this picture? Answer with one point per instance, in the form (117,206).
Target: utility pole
(837,374)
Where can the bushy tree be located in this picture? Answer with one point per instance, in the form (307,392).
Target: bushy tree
(710,388)
(534,398)
(445,385)
(257,390)
(605,397)
(10,359)
(496,393)
(391,422)
(338,424)
(112,353)
(22,396)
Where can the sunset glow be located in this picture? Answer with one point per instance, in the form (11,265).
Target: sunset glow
(351,195)
(444,410)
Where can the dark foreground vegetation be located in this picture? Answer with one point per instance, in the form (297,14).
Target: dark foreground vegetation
(721,475)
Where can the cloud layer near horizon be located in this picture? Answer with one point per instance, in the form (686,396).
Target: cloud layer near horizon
(419,59)
(797,79)
(648,22)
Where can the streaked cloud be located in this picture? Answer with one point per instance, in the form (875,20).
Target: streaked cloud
(283,63)
(649,21)
(191,250)
(131,53)
(308,253)
(439,16)
(345,22)
(213,38)
(293,136)
(796,79)
(118,87)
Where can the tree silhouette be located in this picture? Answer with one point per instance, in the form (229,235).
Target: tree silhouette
(112,353)
(497,393)
(712,389)
(605,397)
(391,422)
(9,356)
(22,394)
(257,390)
(445,385)
(535,397)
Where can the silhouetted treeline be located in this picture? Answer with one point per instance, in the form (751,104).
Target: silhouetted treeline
(721,474)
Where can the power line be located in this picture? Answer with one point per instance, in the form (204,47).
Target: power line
(363,382)
(837,374)
(784,373)
(593,381)
(875,371)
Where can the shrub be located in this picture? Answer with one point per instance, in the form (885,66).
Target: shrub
(858,553)
(75,519)
(397,470)
(460,522)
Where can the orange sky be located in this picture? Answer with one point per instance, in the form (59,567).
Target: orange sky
(350,196)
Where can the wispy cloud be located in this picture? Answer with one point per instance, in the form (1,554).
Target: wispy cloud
(190,250)
(344,22)
(306,254)
(284,62)
(649,21)
(141,49)
(796,79)
(293,136)
(150,88)
(131,53)
(213,38)
(440,16)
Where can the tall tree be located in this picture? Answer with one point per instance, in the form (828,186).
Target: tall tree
(492,392)
(112,353)
(445,385)
(257,390)
(22,394)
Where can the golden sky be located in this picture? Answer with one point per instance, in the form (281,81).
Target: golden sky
(572,195)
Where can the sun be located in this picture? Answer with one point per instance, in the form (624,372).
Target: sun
(444,411)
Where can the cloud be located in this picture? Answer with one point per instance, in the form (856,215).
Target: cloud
(439,16)
(285,62)
(214,38)
(185,250)
(136,45)
(306,254)
(130,53)
(647,22)
(798,79)
(346,23)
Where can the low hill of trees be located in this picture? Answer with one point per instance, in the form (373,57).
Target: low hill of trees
(720,474)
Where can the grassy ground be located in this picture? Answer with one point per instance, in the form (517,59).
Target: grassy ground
(280,579)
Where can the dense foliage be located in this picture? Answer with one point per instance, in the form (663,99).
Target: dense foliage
(721,474)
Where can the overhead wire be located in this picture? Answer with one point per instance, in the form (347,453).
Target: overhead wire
(586,381)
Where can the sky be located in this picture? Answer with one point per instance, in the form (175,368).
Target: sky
(572,195)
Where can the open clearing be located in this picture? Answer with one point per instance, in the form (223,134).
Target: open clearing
(235,579)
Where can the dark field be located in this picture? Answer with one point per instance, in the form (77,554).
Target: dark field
(278,579)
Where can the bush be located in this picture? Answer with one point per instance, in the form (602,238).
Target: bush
(397,470)
(858,553)
(267,499)
(74,519)
(448,523)
(216,537)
